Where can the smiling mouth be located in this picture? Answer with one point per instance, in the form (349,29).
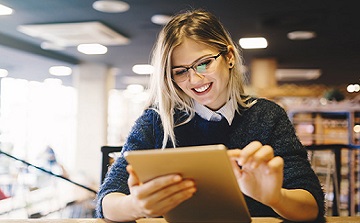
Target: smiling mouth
(202,88)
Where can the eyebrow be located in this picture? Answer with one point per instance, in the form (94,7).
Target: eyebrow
(187,66)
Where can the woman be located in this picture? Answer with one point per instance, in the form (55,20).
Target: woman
(197,98)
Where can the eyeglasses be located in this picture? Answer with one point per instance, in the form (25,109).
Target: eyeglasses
(203,66)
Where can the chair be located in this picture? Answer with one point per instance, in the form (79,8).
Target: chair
(109,154)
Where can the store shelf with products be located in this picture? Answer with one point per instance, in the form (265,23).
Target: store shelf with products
(332,137)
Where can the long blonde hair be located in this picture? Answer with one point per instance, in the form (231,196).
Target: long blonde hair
(165,95)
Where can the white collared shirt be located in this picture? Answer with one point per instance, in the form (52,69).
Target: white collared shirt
(227,111)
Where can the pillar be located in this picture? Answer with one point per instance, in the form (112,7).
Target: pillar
(263,74)
(93,82)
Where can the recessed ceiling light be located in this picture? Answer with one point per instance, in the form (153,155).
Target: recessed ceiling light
(297,74)
(160,19)
(301,35)
(111,6)
(3,73)
(253,43)
(143,69)
(92,48)
(4,10)
(60,70)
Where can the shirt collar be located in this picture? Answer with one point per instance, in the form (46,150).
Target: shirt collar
(227,111)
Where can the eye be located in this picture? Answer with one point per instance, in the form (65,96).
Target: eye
(179,71)
(203,65)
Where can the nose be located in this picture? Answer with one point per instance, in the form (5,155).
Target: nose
(196,77)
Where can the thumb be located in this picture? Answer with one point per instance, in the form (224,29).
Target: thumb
(236,169)
(133,178)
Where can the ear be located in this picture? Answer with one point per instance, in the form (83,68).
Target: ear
(230,56)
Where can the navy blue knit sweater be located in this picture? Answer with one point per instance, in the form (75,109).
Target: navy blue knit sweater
(265,121)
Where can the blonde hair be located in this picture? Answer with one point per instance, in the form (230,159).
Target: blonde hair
(165,95)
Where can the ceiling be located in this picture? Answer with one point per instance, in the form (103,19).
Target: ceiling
(335,50)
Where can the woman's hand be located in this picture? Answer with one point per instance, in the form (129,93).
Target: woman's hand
(158,196)
(261,174)
(261,177)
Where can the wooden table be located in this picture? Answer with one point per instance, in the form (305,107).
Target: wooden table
(160,220)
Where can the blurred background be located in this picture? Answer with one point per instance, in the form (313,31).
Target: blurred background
(74,77)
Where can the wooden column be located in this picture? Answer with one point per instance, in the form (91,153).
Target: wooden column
(263,75)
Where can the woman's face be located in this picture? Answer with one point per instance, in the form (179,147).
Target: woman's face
(209,88)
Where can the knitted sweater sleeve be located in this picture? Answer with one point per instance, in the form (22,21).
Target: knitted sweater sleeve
(298,173)
(143,135)
(268,123)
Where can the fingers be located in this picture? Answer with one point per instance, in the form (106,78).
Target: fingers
(159,195)
(242,156)
(162,194)
(255,152)
(276,164)
(164,186)
(234,153)
(253,155)
(236,169)
(170,197)
(263,155)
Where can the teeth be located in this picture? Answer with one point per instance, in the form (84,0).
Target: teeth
(202,89)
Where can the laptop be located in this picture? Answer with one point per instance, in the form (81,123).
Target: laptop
(218,197)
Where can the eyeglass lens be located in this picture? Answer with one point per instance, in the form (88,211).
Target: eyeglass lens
(203,66)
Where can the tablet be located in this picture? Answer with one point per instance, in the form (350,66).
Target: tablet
(218,197)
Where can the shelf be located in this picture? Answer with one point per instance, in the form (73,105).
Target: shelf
(333,126)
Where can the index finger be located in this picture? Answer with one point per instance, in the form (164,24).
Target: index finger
(242,156)
(234,153)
